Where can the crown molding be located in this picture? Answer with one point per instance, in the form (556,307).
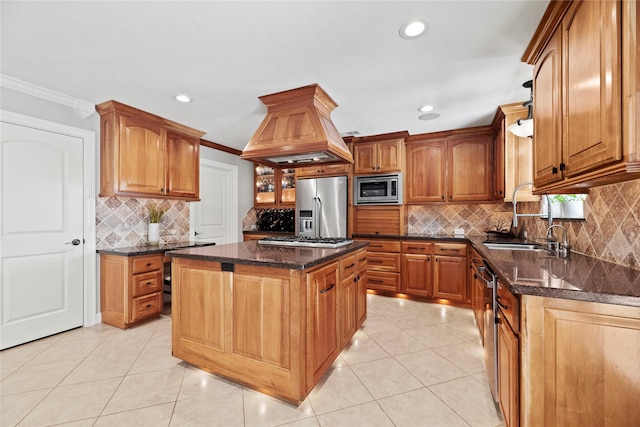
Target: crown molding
(83,108)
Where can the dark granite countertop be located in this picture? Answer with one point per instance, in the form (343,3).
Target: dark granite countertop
(253,253)
(576,277)
(150,249)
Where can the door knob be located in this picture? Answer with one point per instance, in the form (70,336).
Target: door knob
(74,242)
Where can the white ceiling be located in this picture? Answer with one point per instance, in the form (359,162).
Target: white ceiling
(224,54)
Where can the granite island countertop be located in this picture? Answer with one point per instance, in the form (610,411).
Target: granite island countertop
(576,277)
(150,249)
(253,253)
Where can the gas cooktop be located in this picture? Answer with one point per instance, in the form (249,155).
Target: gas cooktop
(322,242)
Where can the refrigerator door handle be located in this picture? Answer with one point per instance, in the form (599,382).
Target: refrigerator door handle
(319,217)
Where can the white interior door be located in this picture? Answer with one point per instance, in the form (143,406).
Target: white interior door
(41,230)
(215,217)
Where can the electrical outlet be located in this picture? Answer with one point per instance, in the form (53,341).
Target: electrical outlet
(459,231)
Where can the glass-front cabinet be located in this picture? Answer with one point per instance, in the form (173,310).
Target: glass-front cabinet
(274,187)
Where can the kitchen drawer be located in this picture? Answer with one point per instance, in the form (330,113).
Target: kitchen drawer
(417,248)
(146,306)
(383,281)
(348,267)
(143,264)
(509,307)
(361,260)
(452,249)
(384,246)
(383,262)
(147,283)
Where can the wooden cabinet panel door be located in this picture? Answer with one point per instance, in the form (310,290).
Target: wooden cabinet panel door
(323,321)
(141,154)
(183,164)
(425,172)
(348,295)
(592,97)
(417,272)
(450,278)
(470,169)
(508,374)
(547,110)
(389,156)
(364,158)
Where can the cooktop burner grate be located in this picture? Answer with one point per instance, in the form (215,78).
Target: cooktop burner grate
(323,242)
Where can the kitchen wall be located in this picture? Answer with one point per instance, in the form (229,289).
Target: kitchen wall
(475,219)
(123,221)
(611,229)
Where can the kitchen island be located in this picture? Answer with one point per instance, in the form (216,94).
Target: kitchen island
(272,318)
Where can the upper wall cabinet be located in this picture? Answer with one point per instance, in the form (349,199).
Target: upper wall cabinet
(585,95)
(379,154)
(274,187)
(143,155)
(453,166)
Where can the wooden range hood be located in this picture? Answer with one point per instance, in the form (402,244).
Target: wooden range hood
(297,131)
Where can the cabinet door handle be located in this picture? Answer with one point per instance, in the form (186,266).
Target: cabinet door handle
(554,170)
(442,197)
(328,289)
(498,297)
(562,166)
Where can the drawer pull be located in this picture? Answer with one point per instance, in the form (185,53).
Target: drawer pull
(149,305)
(148,283)
(148,264)
(498,297)
(449,250)
(376,281)
(328,289)
(350,265)
(376,261)
(376,246)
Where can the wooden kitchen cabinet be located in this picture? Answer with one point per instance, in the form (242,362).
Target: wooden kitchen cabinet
(378,155)
(477,288)
(143,155)
(322,315)
(579,363)
(130,289)
(585,95)
(320,171)
(451,166)
(514,156)
(352,295)
(383,265)
(417,269)
(450,271)
(274,187)
(508,357)
(361,292)
(384,220)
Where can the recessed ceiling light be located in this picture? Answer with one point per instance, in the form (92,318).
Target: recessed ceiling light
(414,28)
(429,116)
(426,108)
(182,98)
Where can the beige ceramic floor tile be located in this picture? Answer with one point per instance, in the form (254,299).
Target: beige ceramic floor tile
(198,384)
(153,416)
(377,324)
(338,389)
(147,389)
(420,408)
(461,329)
(368,414)
(385,377)
(470,399)
(20,355)
(14,407)
(67,349)
(429,367)
(360,349)
(80,423)
(37,377)
(265,411)
(307,422)
(468,357)
(155,359)
(432,336)
(102,365)
(223,409)
(72,403)
(398,342)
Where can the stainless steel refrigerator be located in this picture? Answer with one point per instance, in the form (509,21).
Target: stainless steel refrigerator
(321,207)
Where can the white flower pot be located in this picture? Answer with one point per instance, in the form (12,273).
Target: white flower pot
(154,233)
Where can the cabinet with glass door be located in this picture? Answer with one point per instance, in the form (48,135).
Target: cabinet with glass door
(274,187)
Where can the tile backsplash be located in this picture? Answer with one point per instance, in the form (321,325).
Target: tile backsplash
(475,219)
(610,230)
(123,221)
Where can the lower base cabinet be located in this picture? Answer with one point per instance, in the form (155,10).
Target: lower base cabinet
(131,289)
(579,363)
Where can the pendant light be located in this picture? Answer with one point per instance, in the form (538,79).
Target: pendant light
(524,127)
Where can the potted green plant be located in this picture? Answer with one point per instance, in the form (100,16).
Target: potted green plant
(156,212)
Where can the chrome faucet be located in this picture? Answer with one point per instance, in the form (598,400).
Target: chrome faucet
(560,247)
(515,203)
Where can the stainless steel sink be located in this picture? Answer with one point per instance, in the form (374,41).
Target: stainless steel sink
(514,246)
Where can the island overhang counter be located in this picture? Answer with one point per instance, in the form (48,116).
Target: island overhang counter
(273,318)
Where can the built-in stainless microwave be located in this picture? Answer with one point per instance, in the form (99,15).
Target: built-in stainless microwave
(377,189)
